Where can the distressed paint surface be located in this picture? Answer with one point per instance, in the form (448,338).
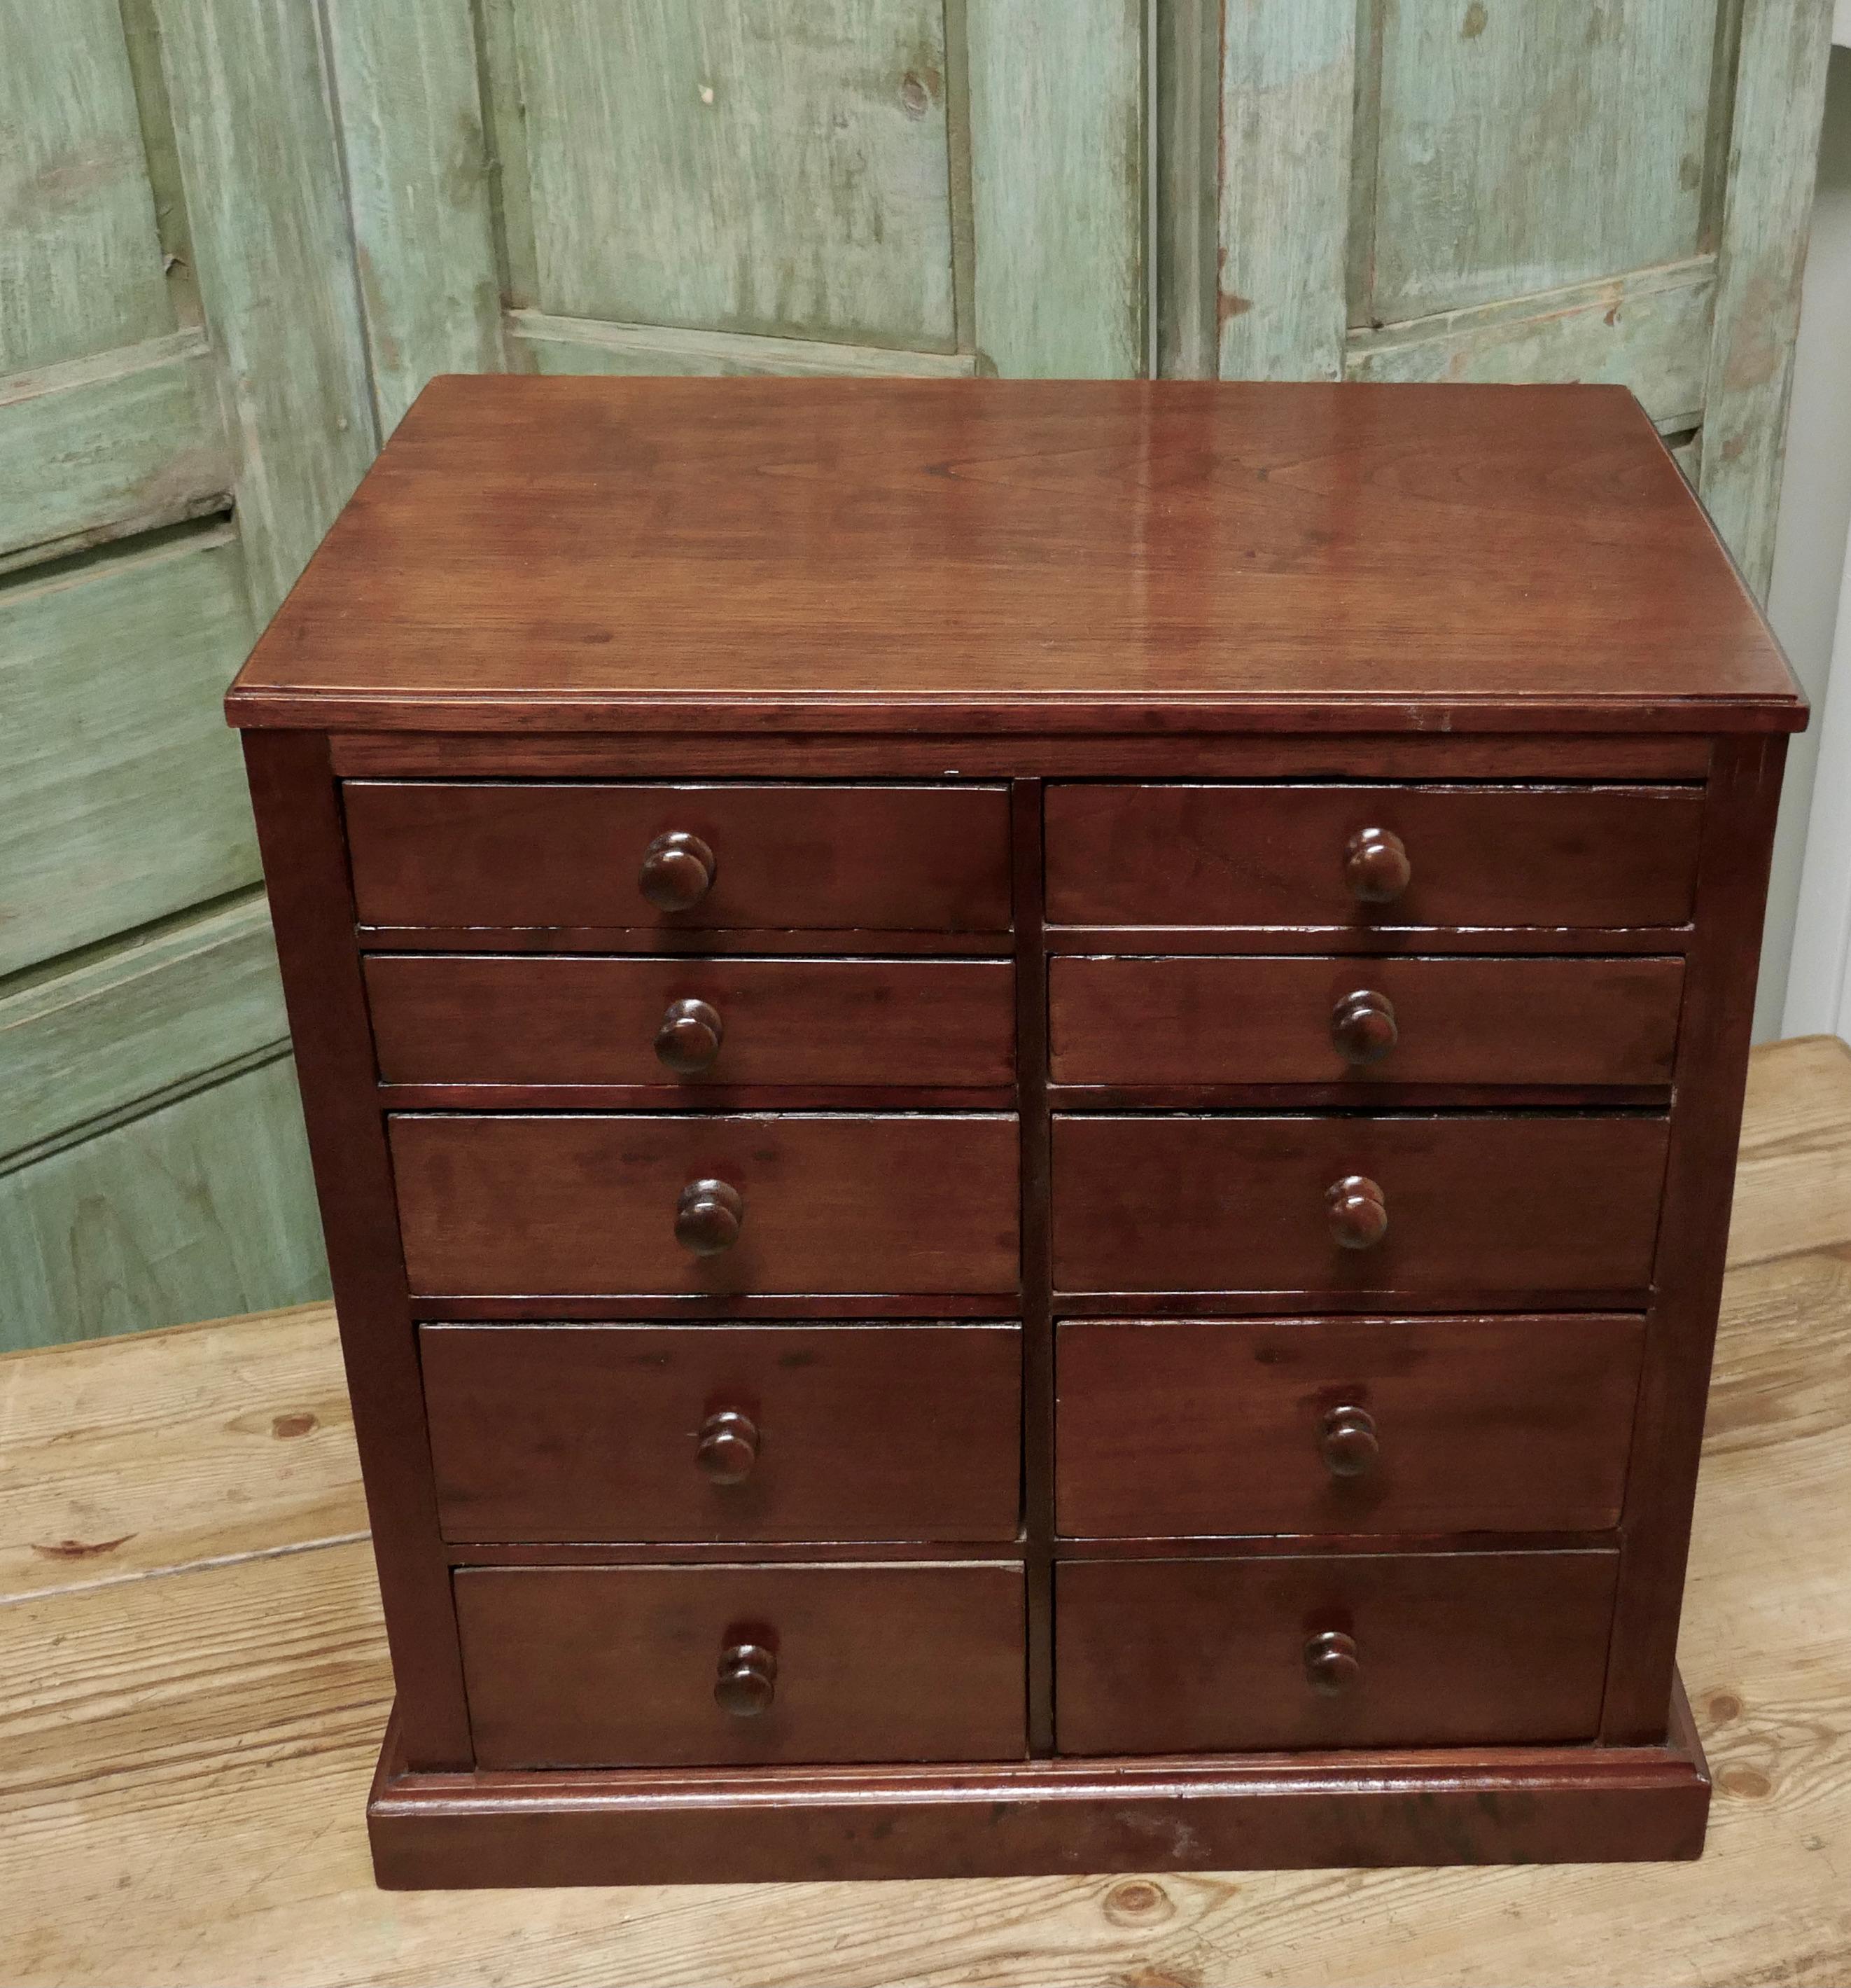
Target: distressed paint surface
(1188,59)
(576,345)
(1780,97)
(1288,90)
(1057,186)
(742,165)
(255,145)
(106,447)
(1521,148)
(201,1208)
(419,187)
(125,794)
(157,1014)
(1649,332)
(80,255)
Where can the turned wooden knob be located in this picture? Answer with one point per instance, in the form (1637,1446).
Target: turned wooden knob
(1375,866)
(709,1216)
(1331,1663)
(690,1037)
(1363,1026)
(677,871)
(747,1680)
(1348,1443)
(727,1446)
(1358,1213)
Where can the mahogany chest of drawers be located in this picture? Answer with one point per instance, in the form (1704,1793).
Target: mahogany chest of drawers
(1025,1096)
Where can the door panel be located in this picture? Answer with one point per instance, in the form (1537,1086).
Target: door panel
(173,250)
(81,253)
(200,1208)
(126,794)
(795,160)
(1520,149)
(888,186)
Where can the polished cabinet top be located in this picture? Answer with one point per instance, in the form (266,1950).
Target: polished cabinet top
(544,554)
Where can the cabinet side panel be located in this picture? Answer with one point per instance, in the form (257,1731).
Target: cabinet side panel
(304,859)
(1708,1081)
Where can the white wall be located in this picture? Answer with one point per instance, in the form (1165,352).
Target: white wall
(1803,959)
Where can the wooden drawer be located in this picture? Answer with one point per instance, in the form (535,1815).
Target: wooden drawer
(1473,1203)
(460,1018)
(787,1432)
(562,1205)
(1254,855)
(1535,1021)
(1344,1426)
(598,1667)
(450,853)
(1179,1656)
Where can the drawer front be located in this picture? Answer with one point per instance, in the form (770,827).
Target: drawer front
(610,1667)
(579,1205)
(1584,1022)
(1336,1650)
(1467,1203)
(788,1432)
(450,853)
(1298,855)
(454,1018)
(1344,1426)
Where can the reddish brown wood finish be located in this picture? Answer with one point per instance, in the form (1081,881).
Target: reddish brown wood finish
(917,858)
(531,1206)
(1700,1185)
(447,1020)
(1474,1202)
(690,755)
(617,1666)
(298,832)
(1375,942)
(1164,1656)
(872,556)
(1266,855)
(660,940)
(1037,1313)
(1344,1426)
(1415,888)
(602,1431)
(1580,1022)
(1484,1805)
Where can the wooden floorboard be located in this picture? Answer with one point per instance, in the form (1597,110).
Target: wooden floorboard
(190,1704)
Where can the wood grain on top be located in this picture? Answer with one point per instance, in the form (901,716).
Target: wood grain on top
(552,553)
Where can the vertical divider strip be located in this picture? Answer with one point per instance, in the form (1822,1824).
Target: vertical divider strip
(1037,1267)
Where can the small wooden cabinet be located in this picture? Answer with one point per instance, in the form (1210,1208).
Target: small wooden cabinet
(1025,1096)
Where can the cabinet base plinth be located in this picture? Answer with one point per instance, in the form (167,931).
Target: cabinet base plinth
(1225,1812)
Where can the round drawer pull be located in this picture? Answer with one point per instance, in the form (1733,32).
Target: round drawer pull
(1358,1212)
(690,1037)
(1363,1027)
(1375,866)
(727,1446)
(1348,1443)
(677,871)
(747,1680)
(709,1216)
(1332,1665)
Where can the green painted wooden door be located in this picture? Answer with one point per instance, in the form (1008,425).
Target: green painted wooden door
(182,409)
(240,234)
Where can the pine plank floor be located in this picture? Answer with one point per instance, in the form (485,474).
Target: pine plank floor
(193,1682)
